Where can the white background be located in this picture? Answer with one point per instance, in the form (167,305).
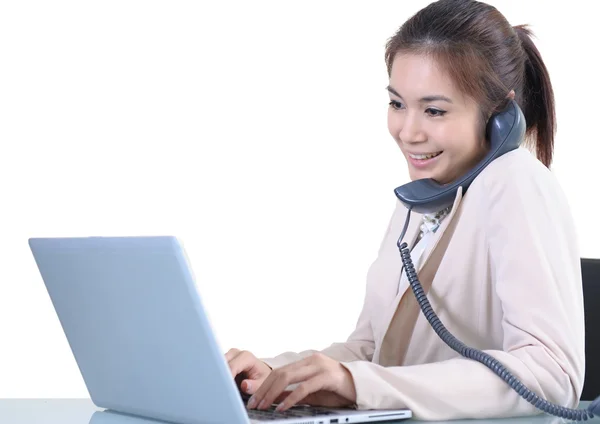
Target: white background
(255,131)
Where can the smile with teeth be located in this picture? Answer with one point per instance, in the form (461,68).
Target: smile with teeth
(426,156)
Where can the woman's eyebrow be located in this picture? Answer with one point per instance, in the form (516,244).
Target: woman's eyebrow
(430,98)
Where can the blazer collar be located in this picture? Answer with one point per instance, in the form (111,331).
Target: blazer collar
(426,272)
(414,226)
(413,231)
(411,234)
(442,228)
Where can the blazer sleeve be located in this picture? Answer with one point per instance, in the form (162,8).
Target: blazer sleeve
(360,345)
(534,260)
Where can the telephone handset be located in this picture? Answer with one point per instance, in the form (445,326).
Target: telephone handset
(505,132)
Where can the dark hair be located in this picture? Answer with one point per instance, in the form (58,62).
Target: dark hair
(487,58)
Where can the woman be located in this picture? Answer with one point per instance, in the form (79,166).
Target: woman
(501,266)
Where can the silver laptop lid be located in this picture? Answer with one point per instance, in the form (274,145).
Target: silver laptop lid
(137,328)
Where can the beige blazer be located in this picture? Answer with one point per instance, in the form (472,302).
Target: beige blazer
(503,274)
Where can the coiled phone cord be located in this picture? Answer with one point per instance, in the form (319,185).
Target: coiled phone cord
(482,357)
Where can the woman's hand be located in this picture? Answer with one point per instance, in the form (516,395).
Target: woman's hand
(249,371)
(322,382)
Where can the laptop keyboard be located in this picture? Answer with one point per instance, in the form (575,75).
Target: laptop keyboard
(294,412)
(298,411)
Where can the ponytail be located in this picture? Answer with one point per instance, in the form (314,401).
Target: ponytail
(537,99)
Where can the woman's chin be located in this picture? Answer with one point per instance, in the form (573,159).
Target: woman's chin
(434,173)
(420,175)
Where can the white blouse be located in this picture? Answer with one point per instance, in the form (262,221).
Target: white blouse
(429,226)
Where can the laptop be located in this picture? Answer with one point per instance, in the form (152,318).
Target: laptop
(142,340)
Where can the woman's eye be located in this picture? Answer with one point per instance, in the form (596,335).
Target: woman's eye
(435,112)
(396,105)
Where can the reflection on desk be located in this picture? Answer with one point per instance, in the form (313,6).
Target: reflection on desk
(109,417)
(83,411)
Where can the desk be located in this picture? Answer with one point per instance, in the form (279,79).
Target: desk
(83,411)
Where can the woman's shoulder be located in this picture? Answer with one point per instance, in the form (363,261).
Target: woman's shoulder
(516,193)
(517,174)
(518,203)
(518,162)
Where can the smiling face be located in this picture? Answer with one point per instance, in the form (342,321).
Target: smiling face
(437,127)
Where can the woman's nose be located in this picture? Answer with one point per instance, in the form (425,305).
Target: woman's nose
(411,130)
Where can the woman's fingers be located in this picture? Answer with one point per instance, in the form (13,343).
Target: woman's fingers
(250,386)
(231,353)
(241,362)
(246,362)
(303,391)
(279,379)
(319,379)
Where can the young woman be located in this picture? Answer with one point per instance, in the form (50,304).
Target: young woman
(501,266)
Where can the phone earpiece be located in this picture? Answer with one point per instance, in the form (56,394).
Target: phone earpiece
(505,131)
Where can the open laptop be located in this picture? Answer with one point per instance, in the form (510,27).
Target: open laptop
(137,328)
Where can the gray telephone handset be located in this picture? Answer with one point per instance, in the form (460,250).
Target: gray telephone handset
(505,132)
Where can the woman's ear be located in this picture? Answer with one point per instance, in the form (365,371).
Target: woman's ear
(511,94)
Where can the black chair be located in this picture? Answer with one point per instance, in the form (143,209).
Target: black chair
(590,269)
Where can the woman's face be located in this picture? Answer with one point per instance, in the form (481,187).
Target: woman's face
(436,126)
